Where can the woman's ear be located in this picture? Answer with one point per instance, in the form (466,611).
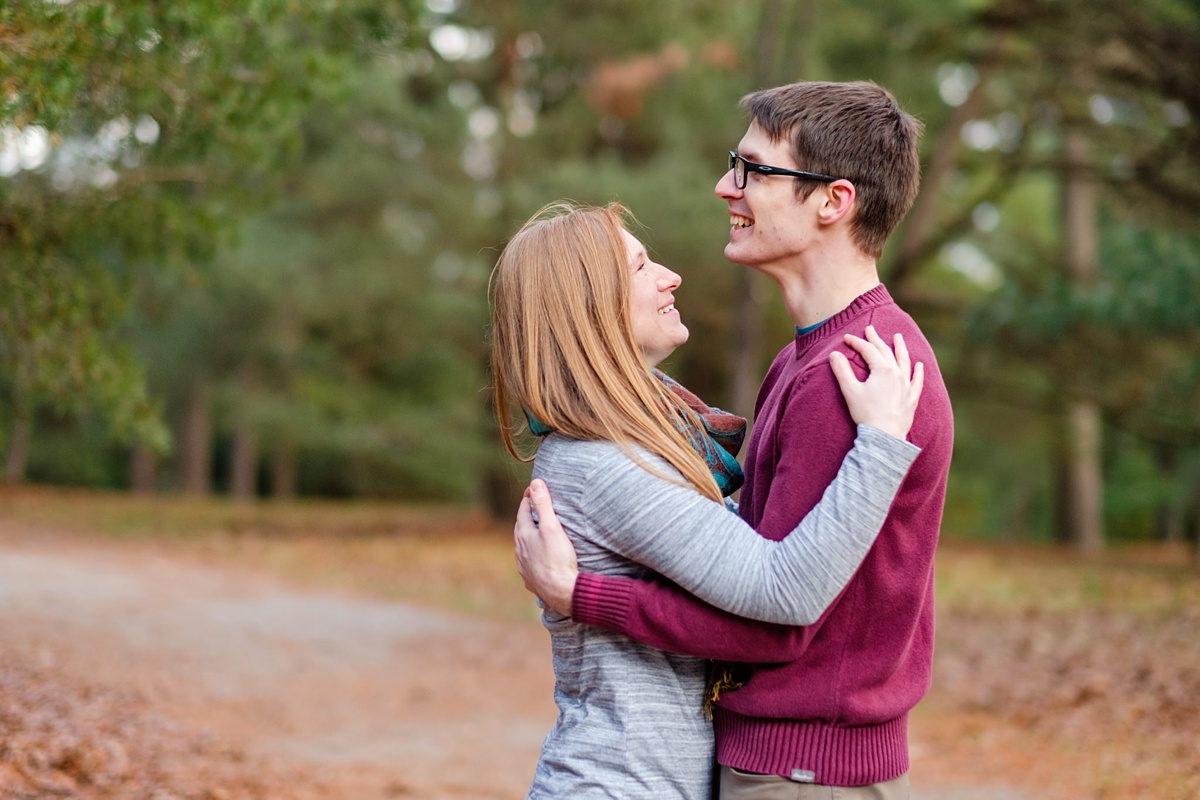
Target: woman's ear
(839,200)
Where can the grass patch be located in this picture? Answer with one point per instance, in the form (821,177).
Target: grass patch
(448,557)
(1146,580)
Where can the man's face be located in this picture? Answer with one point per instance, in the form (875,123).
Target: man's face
(766,226)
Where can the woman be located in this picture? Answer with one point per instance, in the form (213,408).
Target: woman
(581,316)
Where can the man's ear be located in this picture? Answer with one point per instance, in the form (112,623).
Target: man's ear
(839,201)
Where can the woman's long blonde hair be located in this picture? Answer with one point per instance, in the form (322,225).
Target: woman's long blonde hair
(563,347)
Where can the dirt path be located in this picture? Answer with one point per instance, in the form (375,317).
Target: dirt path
(360,698)
(403,701)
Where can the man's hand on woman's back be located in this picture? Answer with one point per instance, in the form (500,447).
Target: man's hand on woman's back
(545,556)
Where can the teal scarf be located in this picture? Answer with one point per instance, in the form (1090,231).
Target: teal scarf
(717,441)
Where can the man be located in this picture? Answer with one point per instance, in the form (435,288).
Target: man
(823,175)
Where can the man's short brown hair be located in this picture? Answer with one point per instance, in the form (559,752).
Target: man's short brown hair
(855,131)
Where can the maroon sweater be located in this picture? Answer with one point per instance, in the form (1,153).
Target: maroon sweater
(827,702)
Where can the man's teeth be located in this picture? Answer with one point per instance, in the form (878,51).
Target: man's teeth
(740,222)
(667,309)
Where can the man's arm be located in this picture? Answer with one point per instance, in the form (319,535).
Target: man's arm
(666,617)
(632,607)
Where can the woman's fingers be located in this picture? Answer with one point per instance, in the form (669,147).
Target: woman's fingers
(867,350)
(874,338)
(918,381)
(873,349)
(902,357)
(878,354)
(843,372)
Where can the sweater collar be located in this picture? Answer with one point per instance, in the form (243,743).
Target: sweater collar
(873,297)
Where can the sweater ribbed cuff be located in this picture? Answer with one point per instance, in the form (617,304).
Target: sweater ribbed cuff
(601,601)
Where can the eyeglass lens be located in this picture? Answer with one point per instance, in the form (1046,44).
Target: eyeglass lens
(739,171)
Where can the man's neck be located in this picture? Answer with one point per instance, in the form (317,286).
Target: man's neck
(815,292)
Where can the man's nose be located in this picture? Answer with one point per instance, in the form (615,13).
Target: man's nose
(727,186)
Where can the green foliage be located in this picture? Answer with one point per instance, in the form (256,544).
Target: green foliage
(311,218)
(358,332)
(154,127)
(1120,340)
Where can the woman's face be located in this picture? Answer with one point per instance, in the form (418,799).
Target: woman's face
(657,329)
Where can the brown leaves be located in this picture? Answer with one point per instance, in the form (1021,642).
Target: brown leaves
(60,738)
(619,88)
(1121,688)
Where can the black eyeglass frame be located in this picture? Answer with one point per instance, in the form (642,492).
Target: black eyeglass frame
(763,169)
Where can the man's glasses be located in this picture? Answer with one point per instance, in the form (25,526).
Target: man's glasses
(741,167)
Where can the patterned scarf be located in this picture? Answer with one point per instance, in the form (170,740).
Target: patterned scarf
(719,441)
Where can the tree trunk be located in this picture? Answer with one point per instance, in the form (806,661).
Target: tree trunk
(1087,483)
(1169,525)
(195,452)
(1063,503)
(243,465)
(18,447)
(143,469)
(1079,208)
(798,61)
(284,472)
(769,42)
(1083,416)
(747,344)
(1171,517)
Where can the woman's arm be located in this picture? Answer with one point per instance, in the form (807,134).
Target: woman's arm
(698,545)
(714,554)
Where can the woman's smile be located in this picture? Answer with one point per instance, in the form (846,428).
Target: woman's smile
(657,327)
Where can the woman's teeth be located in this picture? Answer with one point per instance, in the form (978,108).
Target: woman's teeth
(667,309)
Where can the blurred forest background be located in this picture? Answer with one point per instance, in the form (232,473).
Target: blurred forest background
(244,246)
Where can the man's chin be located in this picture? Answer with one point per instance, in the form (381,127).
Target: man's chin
(736,255)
